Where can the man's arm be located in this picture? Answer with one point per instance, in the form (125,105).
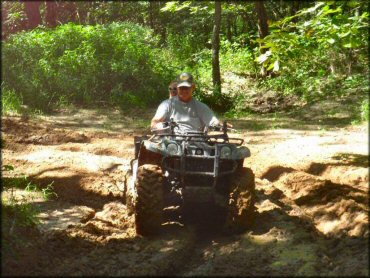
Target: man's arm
(156,121)
(160,115)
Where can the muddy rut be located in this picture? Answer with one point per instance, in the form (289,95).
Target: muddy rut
(312,207)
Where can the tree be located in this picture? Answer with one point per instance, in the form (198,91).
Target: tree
(34,16)
(4,16)
(263,28)
(33,13)
(51,13)
(216,76)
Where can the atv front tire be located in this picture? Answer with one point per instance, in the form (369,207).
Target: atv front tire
(241,210)
(149,199)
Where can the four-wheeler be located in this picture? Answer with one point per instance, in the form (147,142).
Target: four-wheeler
(189,168)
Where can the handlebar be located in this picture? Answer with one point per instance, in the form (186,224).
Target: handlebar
(171,125)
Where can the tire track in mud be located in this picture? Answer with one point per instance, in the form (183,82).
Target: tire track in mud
(291,234)
(284,240)
(309,222)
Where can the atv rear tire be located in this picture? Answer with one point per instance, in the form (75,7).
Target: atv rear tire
(241,210)
(149,199)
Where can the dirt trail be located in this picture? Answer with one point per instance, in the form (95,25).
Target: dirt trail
(312,189)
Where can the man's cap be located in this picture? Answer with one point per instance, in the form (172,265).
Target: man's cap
(185,79)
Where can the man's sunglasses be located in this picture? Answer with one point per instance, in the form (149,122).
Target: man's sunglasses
(172,89)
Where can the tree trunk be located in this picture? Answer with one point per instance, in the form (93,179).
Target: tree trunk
(162,23)
(51,13)
(151,14)
(216,76)
(72,10)
(4,16)
(294,8)
(263,28)
(229,28)
(81,12)
(33,13)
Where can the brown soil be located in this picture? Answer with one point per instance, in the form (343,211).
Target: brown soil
(312,205)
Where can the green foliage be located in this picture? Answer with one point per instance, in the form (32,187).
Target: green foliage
(314,51)
(85,65)
(365,110)
(17,218)
(236,58)
(17,213)
(10,101)
(25,183)
(25,214)
(328,28)
(14,17)
(318,53)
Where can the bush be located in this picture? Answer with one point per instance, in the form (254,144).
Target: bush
(365,110)
(10,102)
(86,65)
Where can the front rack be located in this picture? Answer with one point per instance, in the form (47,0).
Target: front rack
(217,138)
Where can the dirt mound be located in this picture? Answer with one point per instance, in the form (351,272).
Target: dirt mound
(56,138)
(31,132)
(342,174)
(270,101)
(335,209)
(15,125)
(275,171)
(112,222)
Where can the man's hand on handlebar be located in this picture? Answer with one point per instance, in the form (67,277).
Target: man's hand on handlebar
(222,127)
(164,126)
(159,126)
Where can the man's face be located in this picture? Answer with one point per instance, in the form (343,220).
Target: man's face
(185,94)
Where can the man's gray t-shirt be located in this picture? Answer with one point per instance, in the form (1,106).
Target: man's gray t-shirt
(190,116)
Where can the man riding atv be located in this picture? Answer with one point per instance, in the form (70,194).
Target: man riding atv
(189,113)
(182,159)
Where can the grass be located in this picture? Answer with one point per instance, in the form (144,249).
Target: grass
(352,159)
(11,103)
(19,215)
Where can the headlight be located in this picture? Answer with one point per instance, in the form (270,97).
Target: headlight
(243,152)
(225,152)
(172,148)
(198,151)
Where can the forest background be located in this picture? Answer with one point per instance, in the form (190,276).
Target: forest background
(247,57)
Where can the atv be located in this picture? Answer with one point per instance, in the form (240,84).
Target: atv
(188,168)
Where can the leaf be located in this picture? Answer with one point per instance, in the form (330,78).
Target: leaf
(312,9)
(353,4)
(276,66)
(331,41)
(8,168)
(262,58)
(331,11)
(342,35)
(271,66)
(170,6)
